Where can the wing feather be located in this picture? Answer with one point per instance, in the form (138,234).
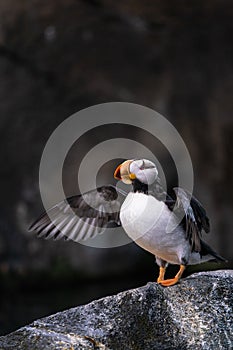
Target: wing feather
(195,217)
(81,217)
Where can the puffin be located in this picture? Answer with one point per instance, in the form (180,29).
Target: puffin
(169,227)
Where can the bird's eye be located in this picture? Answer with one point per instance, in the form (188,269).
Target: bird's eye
(142,167)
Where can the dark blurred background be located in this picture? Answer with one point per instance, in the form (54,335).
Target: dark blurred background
(58,57)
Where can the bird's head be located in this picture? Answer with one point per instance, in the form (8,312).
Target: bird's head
(141,169)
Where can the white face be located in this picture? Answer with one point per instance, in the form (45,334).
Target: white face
(144,170)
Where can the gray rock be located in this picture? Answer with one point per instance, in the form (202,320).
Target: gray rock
(194,314)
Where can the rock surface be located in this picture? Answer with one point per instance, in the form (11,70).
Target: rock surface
(194,314)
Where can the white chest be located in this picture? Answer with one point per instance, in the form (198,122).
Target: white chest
(146,220)
(140,213)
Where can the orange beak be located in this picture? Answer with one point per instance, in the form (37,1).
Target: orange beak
(122,172)
(117,173)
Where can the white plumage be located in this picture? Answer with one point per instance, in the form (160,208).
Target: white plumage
(145,220)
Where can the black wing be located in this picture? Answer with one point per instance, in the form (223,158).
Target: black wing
(81,217)
(194,217)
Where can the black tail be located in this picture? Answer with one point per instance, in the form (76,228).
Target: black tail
(206,249)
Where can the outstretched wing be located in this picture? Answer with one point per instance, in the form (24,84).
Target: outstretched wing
(81,217)
(195,219)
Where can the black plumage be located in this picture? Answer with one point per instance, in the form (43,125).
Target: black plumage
(89,213)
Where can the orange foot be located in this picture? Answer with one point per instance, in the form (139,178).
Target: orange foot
(172,281)
(169,282)
(161,274)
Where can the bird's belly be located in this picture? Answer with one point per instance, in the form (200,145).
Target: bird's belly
(145,220)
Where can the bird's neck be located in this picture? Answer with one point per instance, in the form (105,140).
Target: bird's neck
(138,186)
